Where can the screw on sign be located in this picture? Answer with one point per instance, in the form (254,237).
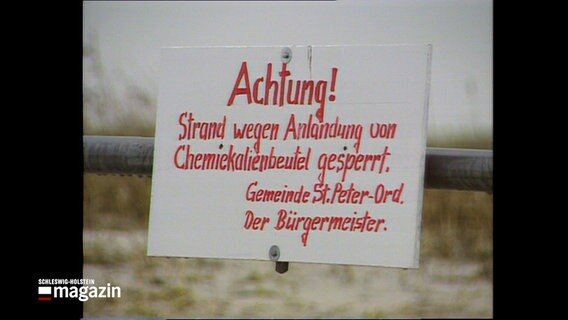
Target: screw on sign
(274,254)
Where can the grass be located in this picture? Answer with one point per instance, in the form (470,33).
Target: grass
(457,224)
(115,202)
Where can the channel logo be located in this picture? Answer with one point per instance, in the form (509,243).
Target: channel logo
(82,289)
(44,294)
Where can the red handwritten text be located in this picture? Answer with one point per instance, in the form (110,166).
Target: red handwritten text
(200,130)
(282,91)
(284,195)
(291,221)
(345,162)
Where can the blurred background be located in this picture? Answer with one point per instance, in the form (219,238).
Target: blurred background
(121,55)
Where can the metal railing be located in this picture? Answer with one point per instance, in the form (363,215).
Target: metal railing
(455,169)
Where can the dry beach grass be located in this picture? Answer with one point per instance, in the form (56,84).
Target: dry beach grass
(454,278)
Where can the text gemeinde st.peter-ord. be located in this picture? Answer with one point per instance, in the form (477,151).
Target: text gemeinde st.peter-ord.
(338,193)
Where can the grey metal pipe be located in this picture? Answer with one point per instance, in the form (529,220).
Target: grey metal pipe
(455,169)
(118,155)
(459,169)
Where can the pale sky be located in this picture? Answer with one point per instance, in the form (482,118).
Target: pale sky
(130,35)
